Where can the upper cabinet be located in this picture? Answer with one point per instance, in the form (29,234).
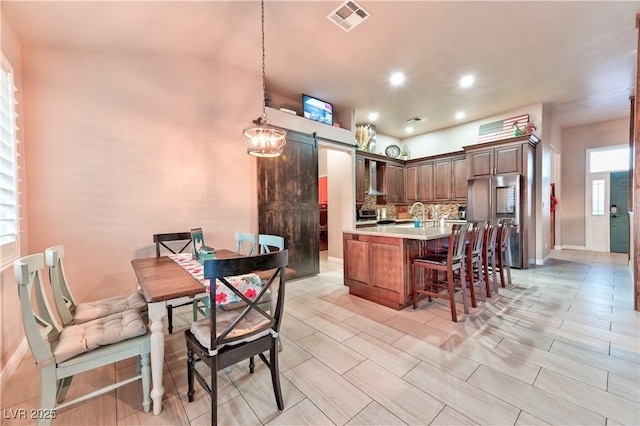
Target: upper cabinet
(496,158)
(393,179)
(419,181)
(450,178)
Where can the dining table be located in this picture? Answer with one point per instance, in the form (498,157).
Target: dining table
(163,279)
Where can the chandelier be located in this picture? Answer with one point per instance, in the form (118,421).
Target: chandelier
(263,140)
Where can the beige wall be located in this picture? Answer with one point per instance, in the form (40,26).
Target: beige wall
(575,142)
(123,146)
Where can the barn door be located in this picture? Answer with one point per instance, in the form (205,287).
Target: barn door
(288,201)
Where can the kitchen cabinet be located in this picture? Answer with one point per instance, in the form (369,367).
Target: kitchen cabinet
(450,178)
(378,268)
(419,182)
(495,161)
(360,179)
(394,183)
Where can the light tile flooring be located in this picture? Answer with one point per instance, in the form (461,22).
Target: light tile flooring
(561,346)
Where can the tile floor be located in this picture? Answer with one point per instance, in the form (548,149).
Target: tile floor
(561,346)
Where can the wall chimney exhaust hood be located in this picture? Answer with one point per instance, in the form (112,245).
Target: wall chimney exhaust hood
(373,180)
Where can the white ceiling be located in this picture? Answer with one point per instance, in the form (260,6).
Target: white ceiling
(577,57)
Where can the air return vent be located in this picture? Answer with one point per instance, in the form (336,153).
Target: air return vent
(348,15)
(415,119)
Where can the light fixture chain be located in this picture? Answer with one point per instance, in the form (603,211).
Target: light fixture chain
(264,75)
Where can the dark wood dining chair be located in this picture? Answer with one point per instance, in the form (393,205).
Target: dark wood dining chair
(177,242)
(230,336)
(450,262)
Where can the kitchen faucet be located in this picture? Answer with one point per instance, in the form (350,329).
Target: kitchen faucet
(424,211)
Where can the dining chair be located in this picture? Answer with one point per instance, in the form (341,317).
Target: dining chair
(228,337)
(69,310)
(62,352)
(245,243)
(450,262)
(489,253)
(174,243)
(268,242)
(503,252)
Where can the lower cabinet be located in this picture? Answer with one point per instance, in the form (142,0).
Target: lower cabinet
(379,268)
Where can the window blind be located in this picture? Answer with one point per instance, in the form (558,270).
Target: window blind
(8,157)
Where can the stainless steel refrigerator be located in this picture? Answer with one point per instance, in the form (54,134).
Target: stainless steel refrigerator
(497,197)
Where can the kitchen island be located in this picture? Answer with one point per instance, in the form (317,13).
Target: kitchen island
(377,260)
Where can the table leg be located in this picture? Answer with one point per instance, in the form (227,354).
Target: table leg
(157,311)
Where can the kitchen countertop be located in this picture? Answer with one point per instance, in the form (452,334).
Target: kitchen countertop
(404,231)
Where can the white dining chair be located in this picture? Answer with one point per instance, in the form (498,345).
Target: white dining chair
(69,310)
(62,352)
(268,242)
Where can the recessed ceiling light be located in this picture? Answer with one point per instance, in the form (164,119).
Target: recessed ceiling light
(408,129)
(373,116)
(460,115)
(397,78)
(467,81)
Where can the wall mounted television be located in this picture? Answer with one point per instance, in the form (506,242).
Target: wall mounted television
(315,109)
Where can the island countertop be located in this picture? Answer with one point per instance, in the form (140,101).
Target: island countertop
(404,231)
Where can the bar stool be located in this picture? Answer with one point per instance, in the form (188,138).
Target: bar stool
(474,259)
(489,253)
(451,261)
(504,260)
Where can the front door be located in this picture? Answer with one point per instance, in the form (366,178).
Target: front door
(288,201)
(618,214)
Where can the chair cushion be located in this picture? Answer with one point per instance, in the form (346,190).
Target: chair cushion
(105,307)
(247,327)
(80,338)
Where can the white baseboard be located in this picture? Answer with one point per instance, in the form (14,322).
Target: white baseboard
(557,247)
(569,247)
(14,361)
(335,259)
(541,262)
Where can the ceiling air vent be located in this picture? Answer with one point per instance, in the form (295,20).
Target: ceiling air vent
(415,119)
(348,15)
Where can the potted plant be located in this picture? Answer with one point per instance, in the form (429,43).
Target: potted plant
(405,152)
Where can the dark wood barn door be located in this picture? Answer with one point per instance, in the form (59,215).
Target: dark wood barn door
(288,201)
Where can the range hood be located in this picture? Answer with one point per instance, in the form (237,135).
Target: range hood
(373,180)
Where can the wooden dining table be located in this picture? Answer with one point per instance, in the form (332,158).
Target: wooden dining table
(162,280)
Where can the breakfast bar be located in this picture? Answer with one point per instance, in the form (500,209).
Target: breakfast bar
(377,260)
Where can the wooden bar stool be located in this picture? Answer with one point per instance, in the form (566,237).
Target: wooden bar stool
(450,262)
(489,253)
(474,260)
(504,260)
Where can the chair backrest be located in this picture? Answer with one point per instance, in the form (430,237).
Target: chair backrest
(477,237)
(457,242)
(266,242)
(161,239)
(245,243)
(505,229)
(257,318)
(28,274)
(62,296)
(491,236)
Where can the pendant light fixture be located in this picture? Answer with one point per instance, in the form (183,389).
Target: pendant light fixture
(263,140)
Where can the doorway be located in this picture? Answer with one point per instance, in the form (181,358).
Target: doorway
(607,180)
(336,161)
